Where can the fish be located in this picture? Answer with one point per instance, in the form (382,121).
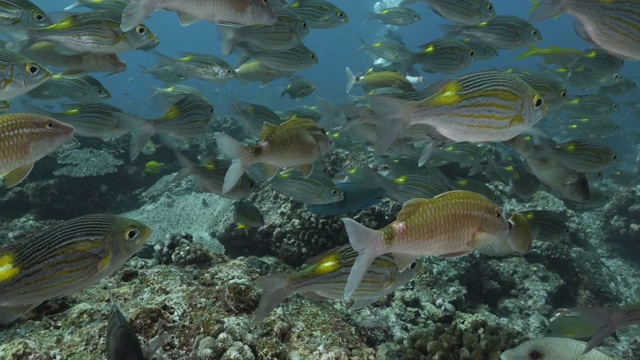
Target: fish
(174,93)
(445,56)
(225,12)
(552,348)
(199,66)
(451,224)
(612,26)
(517,241)
(17,15)
(553,55)
(590,105)
(116,6)
(317,188)
(187,118)
(375,80)
(168,74)
(122,340)
(592,126)
(621,87)
(297,58)
(392,51)
(582,155)
(325,276)
(82,88)
(501,32)
(298,88)
(19,74)
(398,16)
(354,198)
(153,167)
(253,116)
(549,225)
(487,106)
(63,259)
(482,50)
(247,215)
(552,91)
(319,14)
(26,138)
(294,143)
(210,174)
(257,71)
(466,12)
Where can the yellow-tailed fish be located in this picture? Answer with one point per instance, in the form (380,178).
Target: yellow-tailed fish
(552,348)
(466,12)
(294,143)
(63,259)
(26,138)
(247,215)
(19,75)
(398,16)
(298,88)
(225,12)
(452,224)
(297,58)
(487,106)
(326,276)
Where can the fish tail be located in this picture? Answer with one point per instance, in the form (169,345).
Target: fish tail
(602,318)
(9,314)
(351,79)
(228,39)
(363,240)
(544,9)
(141,133)
(532,51)
(73,6)
(276,289)
(134,13)
(186,165)
(235,150)
(393,118)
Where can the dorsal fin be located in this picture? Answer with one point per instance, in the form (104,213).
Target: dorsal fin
(267,129)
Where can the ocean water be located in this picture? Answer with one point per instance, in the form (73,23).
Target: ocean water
(193,287)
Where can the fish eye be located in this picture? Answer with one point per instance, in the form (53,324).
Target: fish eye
(498,214)
(304,24)
(341,14)
(534,355)
(472,53)
(615,156)
(141,29)
(416,16)
(313,56)
(413,265)
(229,71)
(39,17)
(489,7)
(537,102)
(615,106)
(100,91)
(563,93)
(334,192)
(616,76)
(266,2)
(49,125)
(32,69)
(131,233)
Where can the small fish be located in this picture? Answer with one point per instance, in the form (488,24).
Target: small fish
(451,224)
(187,118)
(153,167)
(319,14)
(297,58)
(549,225)
(599,22)
(257,71)
(375,80)
(445,56)
(19,75)
(466,12)
(199,66)
(392,51)
(596,323)
(122,340)
(582,155)
(552,348)
(82,88)
(517,241)
(298,87)
(210,174)
(166,73)
(253,116)
(294,143)
(325,277)
(26,138)
(316,189)
(398,16)
(481,49)
(116,6)
(63,259)
(621,87)
(174,93)
(225,12)
(553,55)
(590,105)
(354,198)
(247,215)
(501,32)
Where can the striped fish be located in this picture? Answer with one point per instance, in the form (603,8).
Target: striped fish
(582,155)
(551,90)
(116,6)
(84,88)
(398,16)
(549,225)
(466,12)
(487,106)
(253,116)
(502,32)
(445,56)
(199,66)
(451,224)
(326,276)
(45,53)
(63,259)
(26,138)
(592,126)
(22,13)
(611,25)
(319,14)
(317,188)
(19,74)
(187,118)
(297,58)
(590,105)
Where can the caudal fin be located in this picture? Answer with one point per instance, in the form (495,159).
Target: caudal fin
(393,120)
(544,9)
(276,289)
(134,13)
(362,240)
(228,39)
(234,150)
(351,79)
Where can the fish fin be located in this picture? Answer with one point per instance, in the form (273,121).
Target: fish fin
(315,297)
(351,79)
(276,289)
(481,239)
(455,254)
(602,333)
(362,303)
(499,247)
(186,165)
(393,120)
(450,29)
(363,240)
(234,150)
(134,13)
(426,153)
(403,260)
(141,133)
(544,9)
(187,19)
(267,129)
(270,171)
(9,314)
(409,207)
(306,169)
(530,52)
(15,176)
(170,141)
(601,319)
(227,38)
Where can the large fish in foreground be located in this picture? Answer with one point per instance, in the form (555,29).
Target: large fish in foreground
(451,224)
(63,259)
(226,12)
(552,348)
(26,138)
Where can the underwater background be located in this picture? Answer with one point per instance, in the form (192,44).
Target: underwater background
(193,283)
